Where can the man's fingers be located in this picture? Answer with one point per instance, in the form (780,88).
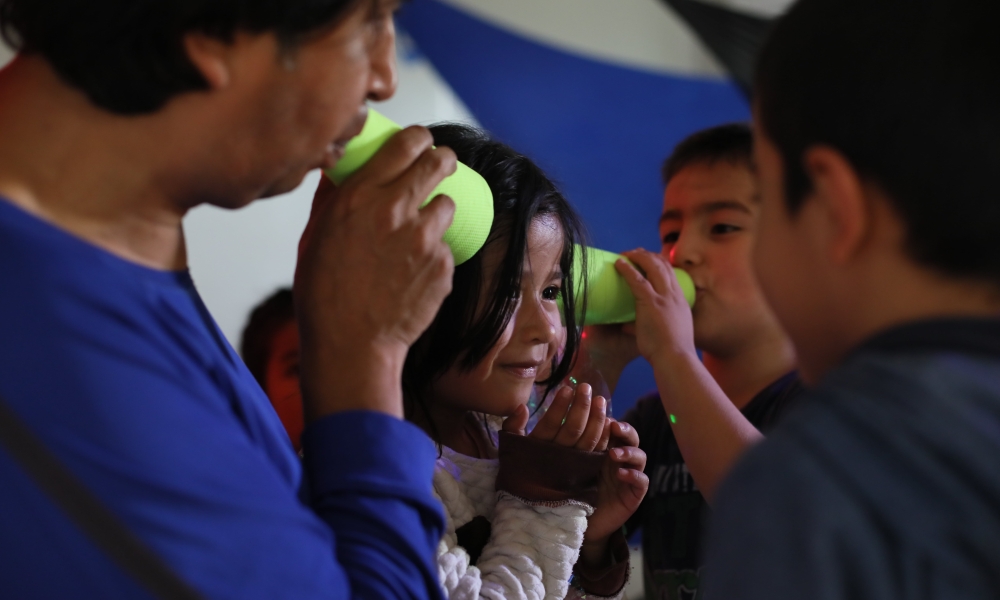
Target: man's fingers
(396,156)
(437,216)
(576,419)
(548,426)
(595,425)
(326,193)
(415,184)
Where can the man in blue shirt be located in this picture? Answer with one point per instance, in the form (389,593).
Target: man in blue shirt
(116,118)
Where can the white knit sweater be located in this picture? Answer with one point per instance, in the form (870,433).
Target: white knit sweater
(532,545)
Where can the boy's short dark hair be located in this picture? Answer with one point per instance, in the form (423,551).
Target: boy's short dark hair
(907,91)
(128,56)
(732,143)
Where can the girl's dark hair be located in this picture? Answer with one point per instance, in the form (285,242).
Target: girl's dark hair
(128,57)
(265,320)
(461,335)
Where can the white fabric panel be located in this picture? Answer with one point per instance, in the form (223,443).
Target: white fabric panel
(639,34)
(759,8)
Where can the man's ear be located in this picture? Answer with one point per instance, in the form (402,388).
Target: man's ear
(838,189)
(209,55)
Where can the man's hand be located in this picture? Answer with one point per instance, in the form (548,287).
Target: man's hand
(663,321)
(372,274)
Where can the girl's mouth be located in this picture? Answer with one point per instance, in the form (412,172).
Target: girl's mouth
(525,370)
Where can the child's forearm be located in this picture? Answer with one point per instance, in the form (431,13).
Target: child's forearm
(710,431)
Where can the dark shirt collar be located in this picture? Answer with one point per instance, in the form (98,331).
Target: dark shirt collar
(967,335)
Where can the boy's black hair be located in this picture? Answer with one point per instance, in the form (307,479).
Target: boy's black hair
(276,311)
(128,56)
(732,143)
(462,334)
(908,92)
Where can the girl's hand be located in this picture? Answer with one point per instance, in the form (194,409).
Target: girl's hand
(663,320)
(574,420)
(622,487)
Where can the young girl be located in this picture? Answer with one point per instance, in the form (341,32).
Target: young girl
(525,513)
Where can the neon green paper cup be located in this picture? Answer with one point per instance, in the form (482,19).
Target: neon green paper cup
(609,299)
(472,195)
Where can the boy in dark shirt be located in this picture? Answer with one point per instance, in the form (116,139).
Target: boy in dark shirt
(877,128)
(707,411)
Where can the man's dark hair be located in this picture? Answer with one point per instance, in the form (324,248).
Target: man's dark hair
(908,92)
(464,332)
(266,319)
(732,143)
(128,56)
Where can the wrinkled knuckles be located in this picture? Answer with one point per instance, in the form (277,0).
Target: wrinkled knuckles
(413,141)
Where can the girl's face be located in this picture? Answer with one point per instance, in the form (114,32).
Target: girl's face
(504,378)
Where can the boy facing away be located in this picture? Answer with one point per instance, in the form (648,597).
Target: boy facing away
(707,411)
(877,145)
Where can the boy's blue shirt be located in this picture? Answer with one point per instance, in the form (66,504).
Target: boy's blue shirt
(884,484)
(124,375)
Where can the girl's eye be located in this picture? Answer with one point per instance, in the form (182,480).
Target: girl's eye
(551,292)
(722,228)
(670,237)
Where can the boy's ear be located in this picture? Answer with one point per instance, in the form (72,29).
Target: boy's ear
(210,56)
(841,194)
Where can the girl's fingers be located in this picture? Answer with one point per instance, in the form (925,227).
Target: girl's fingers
(576,419)
(637,483)
(548,426)
(628,457)
(623,434)
(517,422)
(595,425)
(602,444)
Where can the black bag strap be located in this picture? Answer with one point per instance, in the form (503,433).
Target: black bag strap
(87,511)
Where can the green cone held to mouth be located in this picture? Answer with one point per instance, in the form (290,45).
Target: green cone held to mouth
(609,299)
(472,196)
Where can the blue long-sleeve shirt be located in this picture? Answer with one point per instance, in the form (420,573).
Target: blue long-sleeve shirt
(124,375)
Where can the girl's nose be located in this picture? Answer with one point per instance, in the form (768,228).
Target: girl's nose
(539,326)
